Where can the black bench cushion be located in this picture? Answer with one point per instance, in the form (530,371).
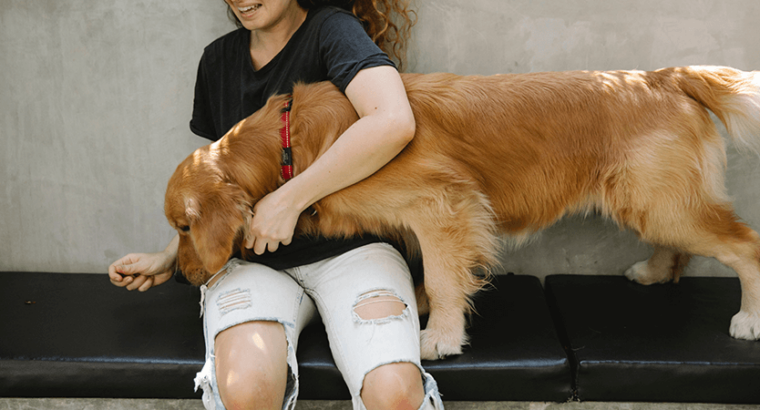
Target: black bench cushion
(76,335)
(655,343)
(515,353)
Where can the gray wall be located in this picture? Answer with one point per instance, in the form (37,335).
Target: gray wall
(96,97)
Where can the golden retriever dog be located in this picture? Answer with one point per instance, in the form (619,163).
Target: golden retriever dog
(502,154)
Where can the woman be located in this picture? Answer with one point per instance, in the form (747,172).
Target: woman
(255,309)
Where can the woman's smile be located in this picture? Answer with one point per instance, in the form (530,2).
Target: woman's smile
(248,11)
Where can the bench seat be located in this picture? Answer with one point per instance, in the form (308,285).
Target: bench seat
(658,343)
(76,335)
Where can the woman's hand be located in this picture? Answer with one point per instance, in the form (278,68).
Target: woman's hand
(142,271)
(272,223)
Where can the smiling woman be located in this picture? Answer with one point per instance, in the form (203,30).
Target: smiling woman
(387,22)
(266,299)
(264,15)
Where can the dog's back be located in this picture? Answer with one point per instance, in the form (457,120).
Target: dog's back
(540,145)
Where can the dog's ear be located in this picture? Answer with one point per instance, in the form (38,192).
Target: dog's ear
(217,217)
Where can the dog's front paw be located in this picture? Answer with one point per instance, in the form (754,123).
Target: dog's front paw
(436,344)
(745,326)
(640,273)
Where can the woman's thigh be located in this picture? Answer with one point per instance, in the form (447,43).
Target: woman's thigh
(366,300)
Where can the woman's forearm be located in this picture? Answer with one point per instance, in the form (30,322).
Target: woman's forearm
(171,249)
(358,153)
(385,127)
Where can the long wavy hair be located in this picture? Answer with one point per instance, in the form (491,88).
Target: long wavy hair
(387,22)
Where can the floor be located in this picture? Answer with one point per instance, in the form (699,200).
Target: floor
(148,404)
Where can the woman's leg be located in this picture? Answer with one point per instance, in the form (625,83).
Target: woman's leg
(253,316)
(251,365)
(393,385)
(366,300)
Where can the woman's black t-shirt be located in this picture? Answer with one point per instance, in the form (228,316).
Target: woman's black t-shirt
(330,45)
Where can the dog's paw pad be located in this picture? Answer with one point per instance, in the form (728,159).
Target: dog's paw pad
(436,345)
(745,326)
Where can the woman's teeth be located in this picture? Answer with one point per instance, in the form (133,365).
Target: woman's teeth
(249,8)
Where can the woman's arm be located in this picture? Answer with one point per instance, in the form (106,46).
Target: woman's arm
(385,127)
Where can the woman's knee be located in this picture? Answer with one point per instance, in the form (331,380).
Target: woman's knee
(393,386)
(251,365)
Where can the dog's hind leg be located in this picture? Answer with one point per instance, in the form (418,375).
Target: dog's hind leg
(713,230)
(669,187)
(665,265)
(738,247)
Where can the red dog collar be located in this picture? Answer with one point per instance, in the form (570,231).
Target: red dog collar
(287,155)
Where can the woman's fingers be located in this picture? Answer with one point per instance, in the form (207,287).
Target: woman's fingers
(146,285)
(261,245)
(271,223)
(138,281)
(120,272)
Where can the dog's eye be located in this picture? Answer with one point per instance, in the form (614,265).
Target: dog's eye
(184,228)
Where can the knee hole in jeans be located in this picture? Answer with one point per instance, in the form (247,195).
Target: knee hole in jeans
(379,304)
(251,364)
(393,386)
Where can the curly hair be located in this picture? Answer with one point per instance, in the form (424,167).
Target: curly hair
(387,22)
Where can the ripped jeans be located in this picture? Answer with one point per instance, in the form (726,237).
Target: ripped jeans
(335,287)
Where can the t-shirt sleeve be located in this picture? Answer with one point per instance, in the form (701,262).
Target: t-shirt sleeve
(202,122)
(346,49)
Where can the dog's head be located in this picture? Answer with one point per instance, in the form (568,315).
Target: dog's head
(209,212)
(210,196)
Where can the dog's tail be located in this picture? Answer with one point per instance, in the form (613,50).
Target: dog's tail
(732,95)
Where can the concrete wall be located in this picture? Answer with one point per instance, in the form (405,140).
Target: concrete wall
(96,97)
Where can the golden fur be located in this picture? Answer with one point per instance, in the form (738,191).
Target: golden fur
(505,154)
